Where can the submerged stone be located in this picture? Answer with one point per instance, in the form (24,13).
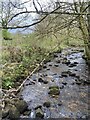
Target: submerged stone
(64,74)
(47,104)
(44,66)
(72,74)
(21,105)
(39,113)
(13,113)
(78,82)
(45,82)
(5,112)
(40,79)
(54,90)
(72,65)
(55,55)
(56,65)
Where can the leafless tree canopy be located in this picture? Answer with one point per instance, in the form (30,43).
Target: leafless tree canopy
(17,14)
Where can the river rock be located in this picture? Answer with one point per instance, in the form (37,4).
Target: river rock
(56,65)
(27,113)
(44,66)
(47,104)
(76,63)
(60,103)
(64,74)
(5,112)
(84,57)
(61,86)
(39,106)
(77,76)
(21,105)
(81,50)
(48,68)
(39,113)
(45,81)
(67,62)
(64,83)
(58,61)
(55,55)
(87,82)
(13,113)
(54,90)
(50,65)
(78,82)
(40,79)
(65,58)
(72,65)
(72,74)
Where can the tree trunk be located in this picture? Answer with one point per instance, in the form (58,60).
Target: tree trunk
(88,46)
(86,35)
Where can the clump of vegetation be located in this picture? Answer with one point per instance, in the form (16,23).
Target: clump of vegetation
(6,35)
(18,62)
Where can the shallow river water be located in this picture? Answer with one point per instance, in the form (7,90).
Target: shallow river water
(73,100)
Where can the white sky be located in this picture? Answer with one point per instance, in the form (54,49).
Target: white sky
(44,2)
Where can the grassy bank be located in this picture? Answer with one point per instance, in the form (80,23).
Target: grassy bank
(22,54)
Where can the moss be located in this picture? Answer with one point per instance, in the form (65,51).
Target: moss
(54,90)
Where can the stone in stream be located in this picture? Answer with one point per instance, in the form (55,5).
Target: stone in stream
(81,50)
(40,79)
(65,61)
(21,105)
(39,113)
(64,74)
(62,86)
(84,57)
(48,68)
(77,76)
(65,58)
(13,113)
(56,65)
(60,103)
(50,65)
(78,82)
(26,84)
(44,66)
(47,104)
(72,74)
(87,82)
(72,83)
(55,55)
(64,83)
(76,63)
(45,82)
(27,112)
(5,112)
(58,61)
(72,65)
(39,106)
(54,90)
(44,75)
